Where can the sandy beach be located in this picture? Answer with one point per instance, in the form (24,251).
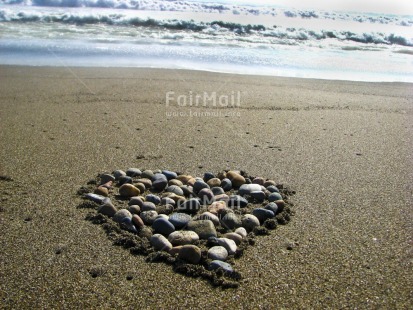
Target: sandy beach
(345,148)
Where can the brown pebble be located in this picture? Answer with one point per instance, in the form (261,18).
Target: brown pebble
(102,191)
(236,179)
(141,187)
(175,182)
(146,182)
(214,182)
(217,206)
(134,209)
(175,250)
(107,209)
(108,185)
(269,183)
(184,178)
(190,253)
(137,221)
(258,180)
(128,190)
(191,182)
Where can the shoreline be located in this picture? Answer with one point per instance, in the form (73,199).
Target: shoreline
(344,147)
(205,71)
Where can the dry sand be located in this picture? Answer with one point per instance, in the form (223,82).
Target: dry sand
(345,147)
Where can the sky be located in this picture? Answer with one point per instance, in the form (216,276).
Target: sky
(404,7)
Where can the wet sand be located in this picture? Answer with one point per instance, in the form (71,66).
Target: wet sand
(344,147)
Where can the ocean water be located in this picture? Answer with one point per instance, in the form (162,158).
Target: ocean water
(245,37)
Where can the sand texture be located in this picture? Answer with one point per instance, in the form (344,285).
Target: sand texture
(344,147)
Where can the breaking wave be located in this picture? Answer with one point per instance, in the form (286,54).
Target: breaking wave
(216,28)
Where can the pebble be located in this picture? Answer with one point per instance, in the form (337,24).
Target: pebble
(107,209)
(169,174)
(156,200)
(280,205)
(222,197)
(184,178)
(228,244)
(160,243)
(272,189)
(231,221)
(272,206)
(258,196)
(226,184)
(157,171)
(101,190)
(107,185)
(159,181)
(167,201)
(216,206)
(218,253)
(216,264)
(163,226)
(208,176)
(147,174)
(217,191)
(118,173)
(191,182)
(208,216)
(128,190)
(175,250)
(133,172)
(249,222)
(206,195)
(106,177)
(214,182)
(234,236)
(241,231)
(274,196)
(262,214)
(148,206)
(236,201)
(204,228)
(236,178)
(183,237)
(269,183)
(191,205)
(146,182)
(198,185)
(120,215)
(190,253)
(175,197)
(124,179)
(136,200)
(136,219)
(163,216)
(246,189)
(95,197)
(175,189)
(134,209)
(141,187)
(175,182)
(180,220)
(188,190)
(258,180)
(148,217)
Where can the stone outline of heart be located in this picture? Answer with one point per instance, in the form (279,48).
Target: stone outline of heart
(121,235)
